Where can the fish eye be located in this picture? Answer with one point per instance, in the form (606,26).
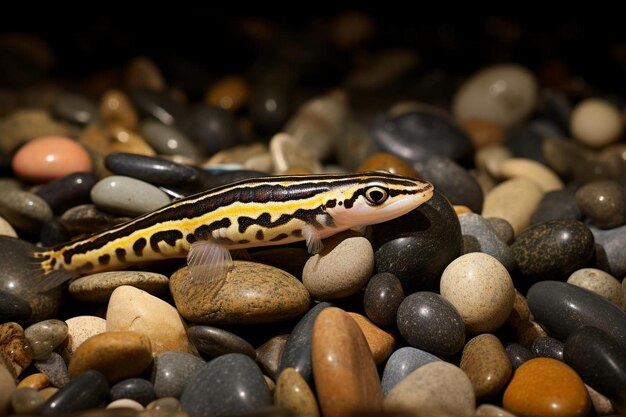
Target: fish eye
(376,195)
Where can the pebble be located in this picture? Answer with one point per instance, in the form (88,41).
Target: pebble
(14,348)
(118,355)
(172,371)
(85,391)
(215,342)
(142,72)
(157,105)
(54,368)
(165,404)
(487,159)
(502,228)
(132,309)
(23,125)
(480,236)
(26,401)
(525,142)
(547,347)
(116,109)
(167,140)
(341,269)
(553,250)
(483,133)
(418,136)
(380,342)
(487,365)
(24,210)
(382,297)
(37,381)
(435,389)
(74,108)
(293,393)
(271,103)
(538,173)
(86,218)
(127,196)
(388,162)
(520,312)
(599,360)
(563,308)
(453,181)
(251,293)
(513,200)
(287,154)
(401,363)
(7,387)
(43,337)
(149,169)
(489,410)
(230,93)
(418,246)
(124,141)
(79,329)
(603,203)
(241,388)
(610,256)
(269,354)
(48,392)
(428,321)
(68,191)
(6,229)
(52,233)
(137,389)
(13,308)
(596,122)
(601,404)
(97,288)
(528,331)
(555,205)
(599,282)
(125,403)
(211,128)
(481,290)
(546,387)
(518,354)
(345,375)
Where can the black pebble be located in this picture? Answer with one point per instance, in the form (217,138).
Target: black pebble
(157,105)
(518,354)
(150,169)
(383,295)
(558,204)
(525,142)
(52,233)
(13,308)
(69,191)
(211,128)
(87,390)
(138,389)
(547,347)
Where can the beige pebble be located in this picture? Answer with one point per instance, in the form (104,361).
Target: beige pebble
(538,173)
(598,281)
(489,158)
(487,365)
(481,289)
(601,404)
(341,269)
(79,329)
(596,122)
(489,410)
(37,381)
(125,403)
(380,342)
(293,393)
(6,229)
(97,288)
(136,310)
(514,200)
(287,154)
(7,386)
(435,389)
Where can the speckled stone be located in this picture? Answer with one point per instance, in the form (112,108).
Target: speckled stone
(383,295)
(6,229)
(598,281)
(341,269)
(401,363)
(610,254)
(26,401)
(435,389)
(603,203)
(118,355)
(518,354)
(553,250)
(75,108)
(14,351)
(380,342)
(487,365)
(150,169)
(37,381)
(157,105)
(481,290)
(79,329)
(293,393)
(137,389)
(127,196)
(251,293)
(428,321)
(43,337)
(54,368)
(116,109)
(480,236)
(211,128)
(596,122)
(538,173)
(172,371)
(214,342)
(87,390)
(345,375)
(241,388)
(555,205)
(24,210)
(514,200)
(7,386)
(168,140)
(489,410)
(546,387)
(97,288)
(388,162)
(13,308)
(547,347)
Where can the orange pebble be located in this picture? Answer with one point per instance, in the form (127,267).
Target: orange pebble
(37,381)
(230,93)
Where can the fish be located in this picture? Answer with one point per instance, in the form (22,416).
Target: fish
(254,212)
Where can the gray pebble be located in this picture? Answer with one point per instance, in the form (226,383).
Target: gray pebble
(172,371)
(610,253)
(401,363)
(518,354)
(74,108)
(86,218)
(212,128)
(45,336)
(383,295)
(137,389)
(480,236)
(55,369)
(503,229)
(158,105)
(215,342)
(84,391)
(128,196)
(24,210)
(168,140)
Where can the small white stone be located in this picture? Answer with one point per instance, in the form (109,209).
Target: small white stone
(597,281)
(596,122)
(125,403)
(79,329)
(537,172)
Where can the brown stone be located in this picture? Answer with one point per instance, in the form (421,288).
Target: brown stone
(142,72)
(268,355)
(345,374)
(528,331)
(37,381)
(487,365)
(483,133)
(48,392)
(520,313)
(118,355)
(125,140)
(459,210)
(380,342)
(230,93)
(116,109)
(546,387)
(293,393)
(7,386)
(388,162)
(14,348)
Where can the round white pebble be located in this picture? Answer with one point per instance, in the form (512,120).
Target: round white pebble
(596,122)
(598,281)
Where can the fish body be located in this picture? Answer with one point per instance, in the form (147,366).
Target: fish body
(249,213)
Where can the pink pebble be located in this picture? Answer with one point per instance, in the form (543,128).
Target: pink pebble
(50,157)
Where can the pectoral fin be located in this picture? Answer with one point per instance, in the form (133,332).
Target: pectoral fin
(208,261)
(313,241)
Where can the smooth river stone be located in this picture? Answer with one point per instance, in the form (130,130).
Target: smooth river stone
(563,308)
(610,254)
(127,196)
(480,236)
(55,369)
(538,173)
(68,191)
(504,94)
(172,371)
(26,401)
(487,365)
(547,347)
(345,374)
(599,360)
(546,387)
(86,218)
(553,250)
(555,205)
(513,200)
(250,293)
(388,162)
(418,136)
(153,170)
(237,386)
(125,404)
(116,109)
(341,269)
(23,125)
(488,410)
(167,140)
(211,128)
(37,381)
(453,181)
(383,295)
(137,389)
(14,350)
(131,309)
(214,342)
(79,329)
(481,290)
(418,246)
(596,122)
(87,390)
(599,282)
(435,389)
(43,337)
(428,321)
(483,133)
(269,354)
(293,393)
(158,105)
(97,288)
(380,342)
(24,210)
(118,355)
(401,363)
(13,308)
(74,108)
(603,203)
(503,229)
(7,386)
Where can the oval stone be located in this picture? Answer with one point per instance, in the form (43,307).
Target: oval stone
(383,295)
(45,336)
(487,365)
(97,288)
(271,103)
(269,354)
(599,282)
(251,293)
(24,210)
(158,105)
(211,128)
(86,218)
(216,342)
(537,172)
(503,229)
(610,256)
(14,348)
(241,388)
(150,169)
(480,236)
(603,203)
(428,321)
(75,108)
(79,329)
(547,347)
(293,393)
(37,381)
(555,205)
(26,401)
(401,363)
(137,389)
(388,162)
(596,122)
(513,200)
(168,140)
(87,390)
(127,196)
(172,371)
(518,354)
(68,191)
